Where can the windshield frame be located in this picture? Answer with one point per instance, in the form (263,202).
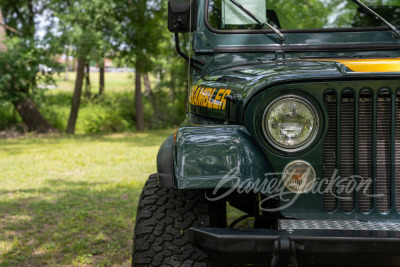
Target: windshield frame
(269,31)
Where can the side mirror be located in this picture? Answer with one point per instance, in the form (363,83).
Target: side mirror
(182,15)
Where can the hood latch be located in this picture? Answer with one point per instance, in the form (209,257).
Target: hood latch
(280,57)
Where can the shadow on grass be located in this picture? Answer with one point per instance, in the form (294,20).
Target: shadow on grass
(68,223)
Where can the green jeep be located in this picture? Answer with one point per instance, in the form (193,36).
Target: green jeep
(293,119)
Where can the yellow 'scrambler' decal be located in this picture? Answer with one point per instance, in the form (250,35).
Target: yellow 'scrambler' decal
(370,65)
(209,97)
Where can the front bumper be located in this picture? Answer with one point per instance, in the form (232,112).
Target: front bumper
(300,247)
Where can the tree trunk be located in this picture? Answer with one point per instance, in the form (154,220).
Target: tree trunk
(161,75)
(3,47)
(158,113)
(138,102)
(173,85)
(31,18)
(87,85)
(76,101)
(102,82)
(66,72)
(147,86)
(66,65)
(32,117)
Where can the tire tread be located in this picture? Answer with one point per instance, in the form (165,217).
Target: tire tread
(162,219)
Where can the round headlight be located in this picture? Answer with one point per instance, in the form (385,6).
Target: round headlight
(299,177)
(290,123)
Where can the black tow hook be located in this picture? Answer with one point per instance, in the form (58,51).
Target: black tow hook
(284,253)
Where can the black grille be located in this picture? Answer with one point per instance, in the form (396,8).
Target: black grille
(363,145)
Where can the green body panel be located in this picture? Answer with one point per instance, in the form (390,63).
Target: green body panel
(256,68)
(248,80)
(207,154)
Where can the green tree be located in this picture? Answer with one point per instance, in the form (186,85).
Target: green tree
(143,25)
(84,24)
(19,64)
(18,82)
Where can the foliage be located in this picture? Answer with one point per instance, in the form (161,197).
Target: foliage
(319,13)
(89,26)
(111,112)
(171,93)
(19,68)
(22,15)
(8,116)
(134,32)
(292,14)
(106,114)
(144,32)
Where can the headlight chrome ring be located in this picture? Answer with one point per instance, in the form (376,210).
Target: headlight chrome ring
(290,123)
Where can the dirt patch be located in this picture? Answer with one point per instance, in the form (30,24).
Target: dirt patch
(21,130)
(13,132)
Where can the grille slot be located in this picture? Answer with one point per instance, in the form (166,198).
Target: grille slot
(365,132)
(330,151)
(347,149)
(383,151)
(397,156)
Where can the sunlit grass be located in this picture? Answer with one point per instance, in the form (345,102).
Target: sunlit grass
(71,200)
(115,82)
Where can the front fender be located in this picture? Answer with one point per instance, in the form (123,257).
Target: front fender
(165,164)
(207,156)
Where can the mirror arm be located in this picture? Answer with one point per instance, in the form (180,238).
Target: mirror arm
(191,61)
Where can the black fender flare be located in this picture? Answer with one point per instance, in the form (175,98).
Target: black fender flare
(165,164)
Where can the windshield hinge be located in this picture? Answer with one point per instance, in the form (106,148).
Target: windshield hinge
(204,51)
(279,57)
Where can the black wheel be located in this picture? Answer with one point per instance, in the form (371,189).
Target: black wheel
(162,219)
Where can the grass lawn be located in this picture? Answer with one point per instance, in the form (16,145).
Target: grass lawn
(71,200)
(113,81)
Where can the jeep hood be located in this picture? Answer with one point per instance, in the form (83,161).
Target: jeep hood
(244,81)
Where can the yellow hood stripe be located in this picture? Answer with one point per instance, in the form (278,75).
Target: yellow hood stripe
(370,65)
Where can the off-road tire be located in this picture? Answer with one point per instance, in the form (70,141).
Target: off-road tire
(163,217)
